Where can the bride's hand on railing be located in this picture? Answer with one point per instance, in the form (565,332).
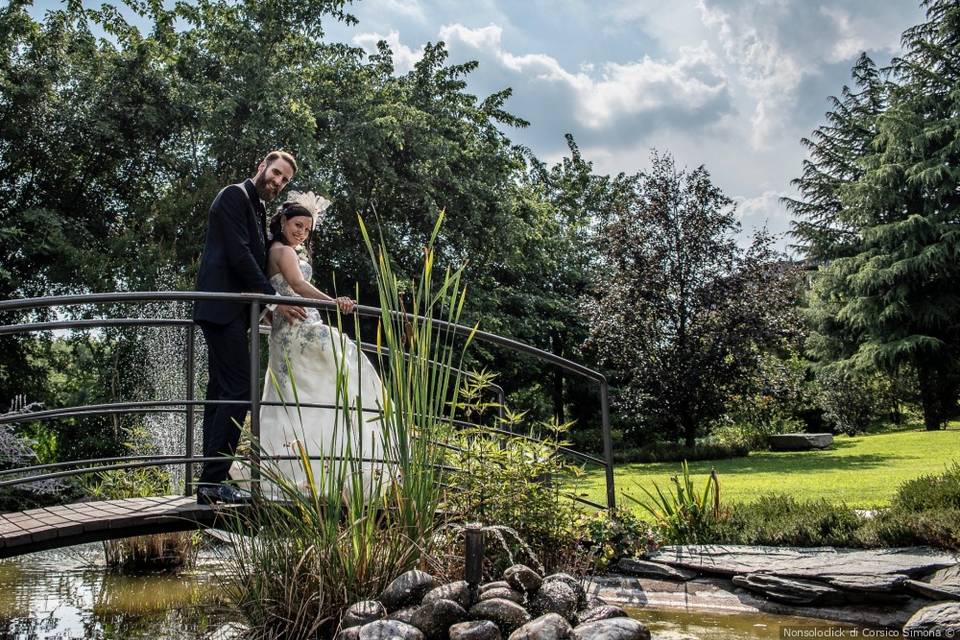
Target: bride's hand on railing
(346,304)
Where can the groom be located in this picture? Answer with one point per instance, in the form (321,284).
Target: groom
(234,260)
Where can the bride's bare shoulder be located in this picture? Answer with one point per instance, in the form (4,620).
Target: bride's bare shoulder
(278,248)
(282,253)
(280,257)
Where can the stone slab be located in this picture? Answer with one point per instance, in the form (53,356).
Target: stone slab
(884,583)
(800,441)
(648,569)
(729,560)
(803,591)
(927,590)
(718,595)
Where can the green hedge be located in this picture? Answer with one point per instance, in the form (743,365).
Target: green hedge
(676,452)
(780,520)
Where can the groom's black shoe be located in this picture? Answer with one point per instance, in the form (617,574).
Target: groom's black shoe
(212,494)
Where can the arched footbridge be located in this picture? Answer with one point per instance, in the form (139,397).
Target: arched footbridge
(69,524)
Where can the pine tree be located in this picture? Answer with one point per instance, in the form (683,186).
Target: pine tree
(890,298)
(824,228)
(907,280)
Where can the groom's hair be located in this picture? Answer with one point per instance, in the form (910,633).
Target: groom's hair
(279,154)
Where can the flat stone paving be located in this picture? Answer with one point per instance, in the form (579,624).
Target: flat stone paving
(803,562)
(65,525)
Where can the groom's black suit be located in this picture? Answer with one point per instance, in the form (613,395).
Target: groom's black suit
(234,260)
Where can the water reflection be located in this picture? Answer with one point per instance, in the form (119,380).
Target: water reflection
(70,594)
(694,625)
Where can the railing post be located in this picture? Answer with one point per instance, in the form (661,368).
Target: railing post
(254,395)
(607,442)
(190,383)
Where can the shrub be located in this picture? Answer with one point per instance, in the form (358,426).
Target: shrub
(925,510)
(936,528)
(615,534)
(682,515)
(678,452)
(853,402)
(780,520)
(890,528)
(17,450)
(517,481)
(751,436)
(929,492)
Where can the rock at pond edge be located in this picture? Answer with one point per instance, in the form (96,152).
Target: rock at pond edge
(522,578)
(550,626)
(389,630)
(407,589)
(612,629)
(475,630)
(505,614)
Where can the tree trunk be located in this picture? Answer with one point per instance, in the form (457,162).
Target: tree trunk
(934,395)
(689,430)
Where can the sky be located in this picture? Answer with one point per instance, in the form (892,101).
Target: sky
(730,84)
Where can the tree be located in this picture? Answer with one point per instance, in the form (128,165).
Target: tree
(112,148)
(890,298)
(825,228)
(680,312)
(546,268)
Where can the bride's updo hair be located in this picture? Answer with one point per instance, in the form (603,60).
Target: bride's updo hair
(306,204)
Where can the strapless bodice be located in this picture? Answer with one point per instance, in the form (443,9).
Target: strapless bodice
(283,287)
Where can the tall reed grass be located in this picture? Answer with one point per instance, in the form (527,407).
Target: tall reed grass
(315,550)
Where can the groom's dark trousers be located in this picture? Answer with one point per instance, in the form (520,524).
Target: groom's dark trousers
(234,258)
(228,354)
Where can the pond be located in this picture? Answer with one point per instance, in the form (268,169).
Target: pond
(683,625)
(69,593)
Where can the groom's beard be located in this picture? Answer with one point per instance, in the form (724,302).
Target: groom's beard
(264,189)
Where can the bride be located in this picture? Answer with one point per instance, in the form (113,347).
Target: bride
(313,363)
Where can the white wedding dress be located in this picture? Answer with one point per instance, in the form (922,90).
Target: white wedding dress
(305,358)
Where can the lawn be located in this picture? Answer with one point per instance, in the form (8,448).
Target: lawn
(861,471)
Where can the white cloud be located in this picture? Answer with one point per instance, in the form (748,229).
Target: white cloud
(408,8)
(600,100)
(732,84)
(776,45)
(857,33)
(404,58)
(769,73)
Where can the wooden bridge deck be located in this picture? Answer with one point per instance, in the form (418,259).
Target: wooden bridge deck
(62,526)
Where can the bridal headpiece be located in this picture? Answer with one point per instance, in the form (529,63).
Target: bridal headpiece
(312,203)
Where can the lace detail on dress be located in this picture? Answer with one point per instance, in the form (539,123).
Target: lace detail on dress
(288,341)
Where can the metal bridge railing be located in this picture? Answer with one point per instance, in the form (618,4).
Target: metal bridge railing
(188,403)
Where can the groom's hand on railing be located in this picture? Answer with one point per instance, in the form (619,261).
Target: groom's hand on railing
(291,312)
